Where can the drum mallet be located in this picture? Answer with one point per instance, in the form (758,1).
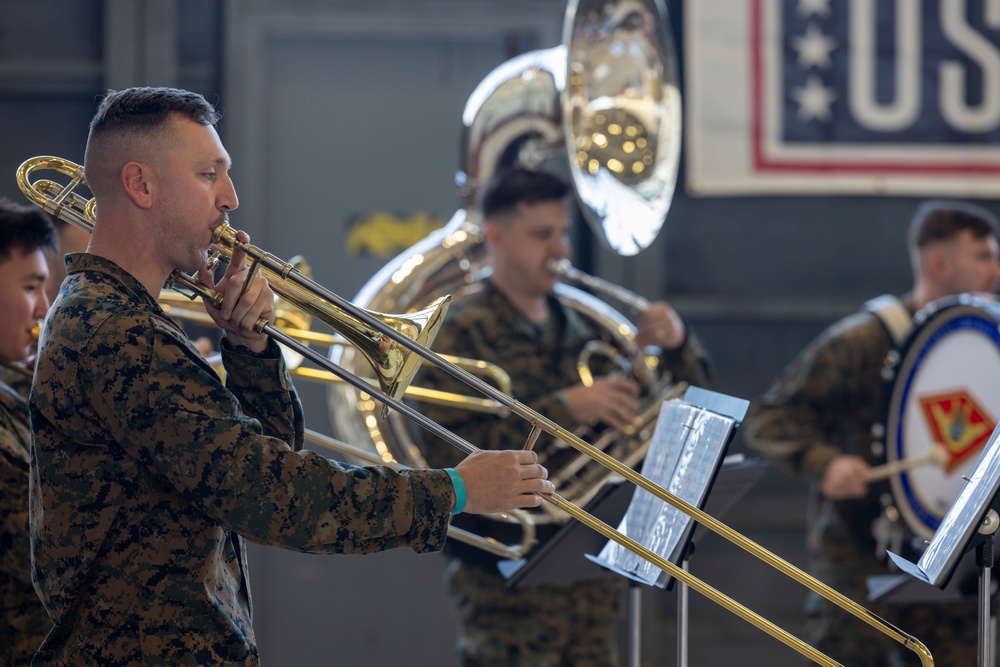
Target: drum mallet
(937,455)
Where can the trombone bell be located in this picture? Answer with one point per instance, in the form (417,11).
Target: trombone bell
(394,364)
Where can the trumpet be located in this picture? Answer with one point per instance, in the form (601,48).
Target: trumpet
(398,341)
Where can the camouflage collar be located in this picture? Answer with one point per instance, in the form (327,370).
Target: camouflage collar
(567,319)
(82,261)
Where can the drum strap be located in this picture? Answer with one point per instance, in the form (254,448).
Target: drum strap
(893,314)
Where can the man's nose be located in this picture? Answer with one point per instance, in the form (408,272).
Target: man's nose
(228,201)
(41,305)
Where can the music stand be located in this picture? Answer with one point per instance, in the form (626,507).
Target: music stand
(685,457)
(565,557)
(970,523)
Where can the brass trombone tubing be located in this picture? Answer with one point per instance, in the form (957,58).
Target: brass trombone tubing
(226,237)
(188,311)
(606,530)
(423,394)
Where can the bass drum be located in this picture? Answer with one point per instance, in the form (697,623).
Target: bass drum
(945,391)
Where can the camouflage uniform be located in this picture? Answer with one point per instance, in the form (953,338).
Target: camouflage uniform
(824,404)
(147,475)
(560,624)
(24,622)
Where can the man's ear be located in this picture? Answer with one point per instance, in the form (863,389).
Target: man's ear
(936,262)
(494,233)
(136,180)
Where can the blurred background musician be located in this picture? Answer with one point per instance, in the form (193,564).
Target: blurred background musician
(26,237)
(815,421)
(515,322)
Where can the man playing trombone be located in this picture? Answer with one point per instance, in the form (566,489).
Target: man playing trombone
(515,321)
(147,472)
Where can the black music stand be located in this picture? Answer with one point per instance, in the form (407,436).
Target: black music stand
(686,457)
(970,523)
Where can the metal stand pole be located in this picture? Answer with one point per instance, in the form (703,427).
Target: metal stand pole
(634,624)
(984,559)
(682,619)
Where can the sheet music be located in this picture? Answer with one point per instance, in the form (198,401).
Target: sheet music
(687,447)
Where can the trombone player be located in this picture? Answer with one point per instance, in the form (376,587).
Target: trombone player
(147,472)
(515,321)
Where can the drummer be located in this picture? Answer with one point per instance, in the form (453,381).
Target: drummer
(815,422)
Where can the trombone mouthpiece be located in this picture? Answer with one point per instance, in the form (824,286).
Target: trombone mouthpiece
(224,235)
(36,331)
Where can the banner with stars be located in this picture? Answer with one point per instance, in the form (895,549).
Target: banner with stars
(894,97)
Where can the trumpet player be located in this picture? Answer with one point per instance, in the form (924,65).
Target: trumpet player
(515,321)
(26,236)
(148,473)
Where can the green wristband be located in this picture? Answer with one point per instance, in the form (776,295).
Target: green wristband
(459,485)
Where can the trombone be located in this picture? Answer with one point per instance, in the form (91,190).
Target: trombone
(295,323)
(392,342)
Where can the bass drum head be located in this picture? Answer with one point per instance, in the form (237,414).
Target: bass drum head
(946,393)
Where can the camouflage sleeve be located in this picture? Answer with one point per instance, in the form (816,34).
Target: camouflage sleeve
(167,409)
(690,362)
(15,554)
(790,423)
(261,382)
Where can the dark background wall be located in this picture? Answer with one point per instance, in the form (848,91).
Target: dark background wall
(334,110)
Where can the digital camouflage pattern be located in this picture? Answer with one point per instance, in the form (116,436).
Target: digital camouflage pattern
(148,473)
(24,623)
(824,404)
(535,626)
(531,623)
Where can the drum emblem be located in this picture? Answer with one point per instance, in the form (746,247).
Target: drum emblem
(958,422)
(945,392)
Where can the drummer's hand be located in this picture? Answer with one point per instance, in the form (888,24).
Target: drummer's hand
(241,309)
(611,400)
(844,478)
(661,326)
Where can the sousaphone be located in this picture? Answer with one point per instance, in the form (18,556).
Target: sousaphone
(603,107)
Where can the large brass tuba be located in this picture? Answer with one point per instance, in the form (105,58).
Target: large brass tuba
(603,107)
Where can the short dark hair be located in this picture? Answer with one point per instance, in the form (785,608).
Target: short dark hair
(941,220)
(515,185)
(137,114)
(136,109)
(26,228)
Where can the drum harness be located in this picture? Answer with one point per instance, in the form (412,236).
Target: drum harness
(888,529)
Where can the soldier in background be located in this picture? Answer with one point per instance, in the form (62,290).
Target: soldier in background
(514,321)
(815,422)
(26,235)
(147,472)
